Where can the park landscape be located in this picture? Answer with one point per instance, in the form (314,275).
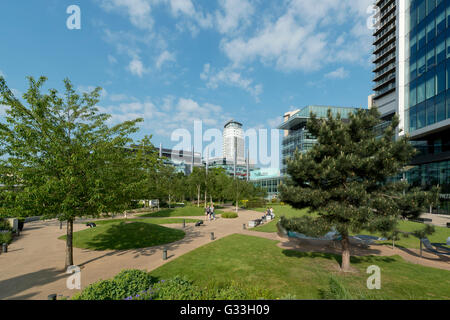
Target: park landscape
(63,163)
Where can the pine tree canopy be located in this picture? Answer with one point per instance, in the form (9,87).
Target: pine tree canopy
(347,178)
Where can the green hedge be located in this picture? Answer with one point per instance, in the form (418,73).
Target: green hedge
(139,285)
(124,284)
(229,215)
(5,237)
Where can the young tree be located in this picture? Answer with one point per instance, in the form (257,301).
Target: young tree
(61,157)
(346,177)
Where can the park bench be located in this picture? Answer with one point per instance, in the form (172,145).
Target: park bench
(432,249)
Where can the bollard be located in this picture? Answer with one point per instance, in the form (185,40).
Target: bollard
(165,254)
(243,226)
(52,296)
(60,225)
(5,248)
(212,235)
(184,223)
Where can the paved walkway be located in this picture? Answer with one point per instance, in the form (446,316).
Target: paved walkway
(33,268)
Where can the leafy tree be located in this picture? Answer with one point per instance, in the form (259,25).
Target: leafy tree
(346,177)
(60,159)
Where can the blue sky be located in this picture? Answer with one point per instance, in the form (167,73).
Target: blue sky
(176,61)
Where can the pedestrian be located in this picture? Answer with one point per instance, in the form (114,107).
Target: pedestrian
(211,210)
(271,213)
(206,213)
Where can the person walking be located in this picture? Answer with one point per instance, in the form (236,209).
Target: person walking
(207,213)
(272,215)
(211,210)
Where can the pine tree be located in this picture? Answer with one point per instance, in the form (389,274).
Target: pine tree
(347,177)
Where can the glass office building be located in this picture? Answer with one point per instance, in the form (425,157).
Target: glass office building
(296,136)
(412,79)
(428,103)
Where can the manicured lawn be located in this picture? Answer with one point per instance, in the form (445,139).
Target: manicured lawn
(189,211)
(279,211)
(124,236)
(440,236)
(257,261)
(147,220)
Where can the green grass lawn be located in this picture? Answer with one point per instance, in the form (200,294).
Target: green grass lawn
(189,211)
(147,220)
(440,236)
(124,236)
(259,262)
(279,211)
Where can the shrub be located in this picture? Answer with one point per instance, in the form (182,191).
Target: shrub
(336,291)
(4,225)
(5,237)
(229,215)
(126,283)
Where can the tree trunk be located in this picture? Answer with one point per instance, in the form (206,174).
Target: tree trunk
(198,196)
(169,202)
(69,244)
(345,242)
(205,199)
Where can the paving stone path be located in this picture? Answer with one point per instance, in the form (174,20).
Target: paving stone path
(33,268)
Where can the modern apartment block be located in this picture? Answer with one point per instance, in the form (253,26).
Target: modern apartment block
(412,79)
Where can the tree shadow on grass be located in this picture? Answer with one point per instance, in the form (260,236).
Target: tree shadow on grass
(11,287)
(126,236)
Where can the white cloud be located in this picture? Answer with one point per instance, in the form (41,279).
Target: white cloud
(136,67)
(236,12)
(275,122)
(138,11)
(306,37)
(339,73)
(118,97)
(231,77)
(112,59)
(165,56)
(183,113)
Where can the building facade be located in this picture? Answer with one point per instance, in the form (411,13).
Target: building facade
(412,80)
(296,136)
(268,179)
(233,140)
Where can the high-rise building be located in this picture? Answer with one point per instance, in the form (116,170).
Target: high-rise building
(233,142)
(412,80)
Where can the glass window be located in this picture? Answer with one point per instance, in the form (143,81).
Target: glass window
(421,11)
(421,89)
(440,78)
(421,39)
(412,68)
(448,74)
(412,94)
(431,56)
(413,43)
(440,48)
(440,107)
(431,28)
(431,84)
(431,4)
(438,2)
(412,119)
(440,22)
(421,62)
(421,115)
(431,112)
(413,17)
(448,104)
(448,13)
